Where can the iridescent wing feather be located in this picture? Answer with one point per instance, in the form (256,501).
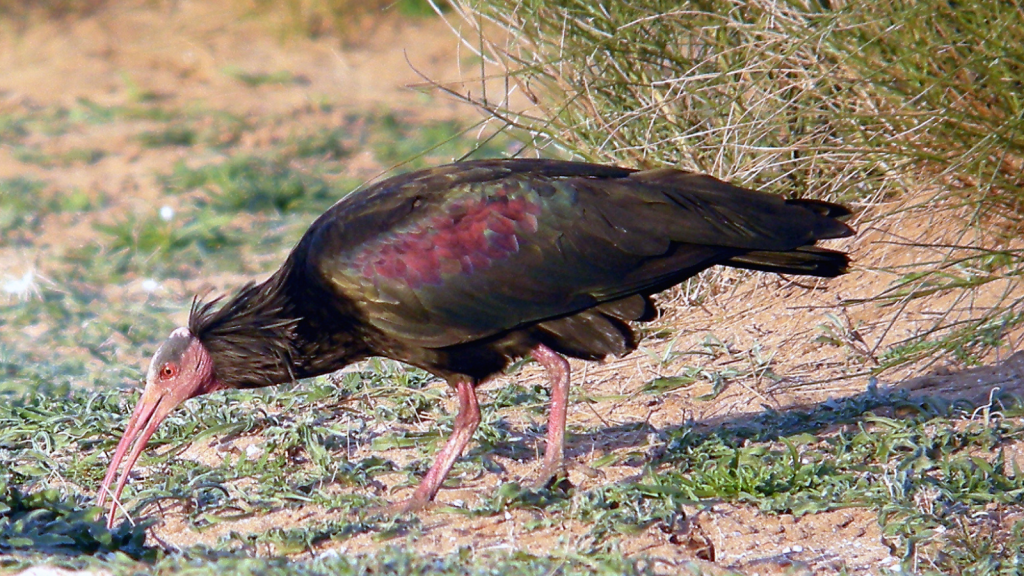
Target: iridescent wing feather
(469,250)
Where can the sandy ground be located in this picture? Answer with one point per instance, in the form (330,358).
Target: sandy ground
(178,52)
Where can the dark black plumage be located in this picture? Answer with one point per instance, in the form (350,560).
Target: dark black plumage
(463,268)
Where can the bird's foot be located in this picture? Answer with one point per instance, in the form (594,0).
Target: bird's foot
(552,475)
(556,477)
(407,506)
(394,509)
(559,483)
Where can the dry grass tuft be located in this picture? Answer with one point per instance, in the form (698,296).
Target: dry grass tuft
(852,102)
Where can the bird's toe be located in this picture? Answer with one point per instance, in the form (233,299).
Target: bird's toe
(550,475)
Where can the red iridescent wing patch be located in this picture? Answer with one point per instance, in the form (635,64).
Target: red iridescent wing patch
(468,237)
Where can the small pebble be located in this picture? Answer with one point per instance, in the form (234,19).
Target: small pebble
(328,555)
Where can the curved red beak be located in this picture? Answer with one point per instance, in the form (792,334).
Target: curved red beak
(180,369)
(152,408)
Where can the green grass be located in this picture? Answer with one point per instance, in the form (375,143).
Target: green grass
(174,135)
(25,202)
(253,79)
(409,144)
(62,159)
(58,120)
(925,473)
(50,8)
(391,560)
(938,476)
(12,128)
(321,145)
(151,241)
(753,364)
(351,21)
(21,206)
(252,184)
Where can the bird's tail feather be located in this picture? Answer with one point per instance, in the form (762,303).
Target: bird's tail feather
(808,260)
(831,224)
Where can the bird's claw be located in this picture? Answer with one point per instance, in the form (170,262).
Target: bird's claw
(407,506)
(557,477)
(551,475)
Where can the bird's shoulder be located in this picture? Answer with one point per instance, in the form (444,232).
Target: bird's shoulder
(414,227)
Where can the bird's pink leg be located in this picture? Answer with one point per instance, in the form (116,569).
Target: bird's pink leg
(466,423)
(558,374)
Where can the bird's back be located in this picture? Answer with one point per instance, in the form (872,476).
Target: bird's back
(459,268)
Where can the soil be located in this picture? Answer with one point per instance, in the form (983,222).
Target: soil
(177,51)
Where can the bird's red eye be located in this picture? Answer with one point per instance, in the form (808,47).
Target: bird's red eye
(168,371)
